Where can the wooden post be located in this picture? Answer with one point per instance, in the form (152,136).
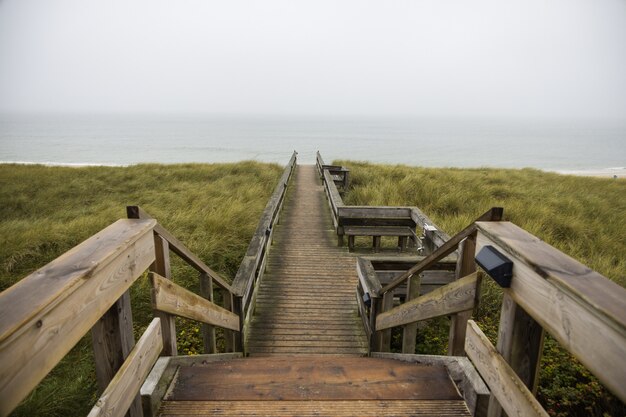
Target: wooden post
(376,243)
(409,334)
(374,308)
(384,336)
(161,266)
(458,324)
(402,243)
(234,340)
(208,331)
(520,342)
(113,339)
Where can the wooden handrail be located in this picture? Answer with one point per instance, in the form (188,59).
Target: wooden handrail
(584,311)
(45,314)
(452,298)
(494,214)
(176,246)
(246,274)
(174,299)
(504,383)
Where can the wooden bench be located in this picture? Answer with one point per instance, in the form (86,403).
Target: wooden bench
(403,232)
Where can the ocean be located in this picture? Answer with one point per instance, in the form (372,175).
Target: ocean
(132,139)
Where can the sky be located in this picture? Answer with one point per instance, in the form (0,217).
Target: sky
(561,59)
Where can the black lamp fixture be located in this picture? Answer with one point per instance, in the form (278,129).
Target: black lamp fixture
(498,266)
(367,299)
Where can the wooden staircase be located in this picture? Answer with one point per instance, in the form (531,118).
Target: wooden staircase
(306,341)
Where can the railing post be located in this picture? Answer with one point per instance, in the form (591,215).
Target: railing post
(233,339)
(409,333)
(161,266)
(208,331)
(458,324)
(383,337)
(520,342)
(113,339)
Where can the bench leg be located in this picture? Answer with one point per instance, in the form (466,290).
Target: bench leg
(339,240)
(376,243)
(402,243)
(351,243)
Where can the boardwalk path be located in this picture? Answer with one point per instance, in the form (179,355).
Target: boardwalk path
(306,302)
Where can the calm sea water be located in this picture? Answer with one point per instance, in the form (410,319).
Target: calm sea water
(123,140)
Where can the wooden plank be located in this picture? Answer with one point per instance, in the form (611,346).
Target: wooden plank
(313,378)
(118,396)
(46,335)
(462,372)
(572,277)
(374,212)
(50,285)
(504,383)
(171,298)
(112,340)
(378,231)
(160,377)
(360,408)
(594,335)
(520,342)
(454,297)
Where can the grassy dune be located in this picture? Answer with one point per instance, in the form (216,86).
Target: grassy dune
(44,211)
(214,209)
(583,217)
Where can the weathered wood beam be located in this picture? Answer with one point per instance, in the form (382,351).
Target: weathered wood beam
(452,298)
(171,298)
(120,393)
(43,316)
(583,310)
(503,382)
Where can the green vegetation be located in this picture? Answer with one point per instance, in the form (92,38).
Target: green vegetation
(583,217)
(214,210)
(45,211)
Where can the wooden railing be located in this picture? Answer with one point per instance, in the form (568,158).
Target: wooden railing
(457,298)
(45,314)
(584,311)
(253,265)
(377,219)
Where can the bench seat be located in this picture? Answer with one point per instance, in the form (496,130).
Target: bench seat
(403,232)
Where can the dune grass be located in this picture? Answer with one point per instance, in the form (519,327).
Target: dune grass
(45,211)
(583,217)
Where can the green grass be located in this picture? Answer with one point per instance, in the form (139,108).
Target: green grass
(45,211)
(214,210)
(583,217)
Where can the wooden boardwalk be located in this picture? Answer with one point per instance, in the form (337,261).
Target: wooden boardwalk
(306,302)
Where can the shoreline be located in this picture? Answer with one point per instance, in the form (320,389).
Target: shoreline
(617,172)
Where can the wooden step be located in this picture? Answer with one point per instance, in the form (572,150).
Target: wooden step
(313,386)
(358,408)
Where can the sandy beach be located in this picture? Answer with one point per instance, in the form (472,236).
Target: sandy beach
(619,172)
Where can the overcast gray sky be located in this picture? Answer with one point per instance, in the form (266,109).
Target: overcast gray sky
(483,58)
